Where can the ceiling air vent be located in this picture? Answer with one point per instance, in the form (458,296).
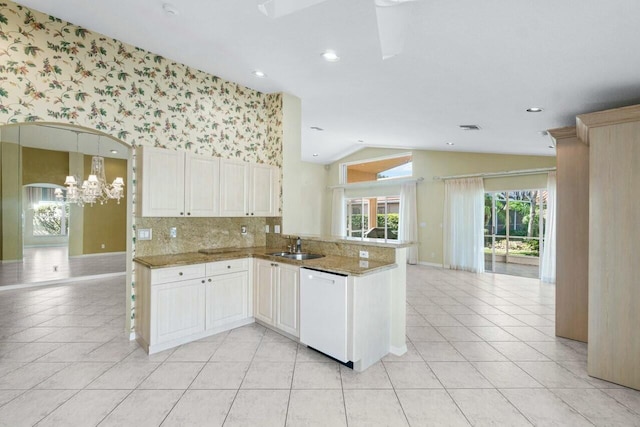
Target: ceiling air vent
(469,127)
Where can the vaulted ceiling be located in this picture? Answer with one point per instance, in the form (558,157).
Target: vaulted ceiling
(463,62)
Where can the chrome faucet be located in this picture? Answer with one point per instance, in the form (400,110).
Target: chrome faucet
(298,245)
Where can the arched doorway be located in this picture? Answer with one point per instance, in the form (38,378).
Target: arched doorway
(45,153)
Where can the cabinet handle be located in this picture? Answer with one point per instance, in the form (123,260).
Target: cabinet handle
(228,266)
(247,213)
(181,213)
(251,213)
(209,279)
(188,213)
(180,274)
(202,280)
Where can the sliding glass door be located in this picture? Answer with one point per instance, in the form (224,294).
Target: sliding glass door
(513,230)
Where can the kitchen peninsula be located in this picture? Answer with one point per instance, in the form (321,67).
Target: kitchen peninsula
(187,296)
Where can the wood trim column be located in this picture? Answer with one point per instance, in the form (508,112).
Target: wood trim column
(572,235)
(614,244)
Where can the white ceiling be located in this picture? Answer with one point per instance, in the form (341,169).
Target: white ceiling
(464,62)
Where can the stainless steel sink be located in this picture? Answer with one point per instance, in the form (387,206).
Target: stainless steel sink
(299,256)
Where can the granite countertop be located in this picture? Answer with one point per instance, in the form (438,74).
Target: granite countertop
(330,263)
(381,243)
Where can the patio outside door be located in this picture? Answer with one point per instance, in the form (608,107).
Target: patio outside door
(512,230)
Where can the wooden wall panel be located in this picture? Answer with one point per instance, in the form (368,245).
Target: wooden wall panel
(614,253)
(572,247)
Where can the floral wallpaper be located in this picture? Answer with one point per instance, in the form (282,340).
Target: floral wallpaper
(54,71)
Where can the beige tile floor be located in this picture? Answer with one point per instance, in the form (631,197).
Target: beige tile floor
(481,352)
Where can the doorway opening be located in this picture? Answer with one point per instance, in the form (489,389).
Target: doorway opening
(514,231)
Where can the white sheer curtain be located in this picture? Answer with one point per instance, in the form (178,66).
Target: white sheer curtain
(548,264)
(408,227)
(338,214)
(464,224)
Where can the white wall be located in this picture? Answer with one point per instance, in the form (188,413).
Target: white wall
(303,184)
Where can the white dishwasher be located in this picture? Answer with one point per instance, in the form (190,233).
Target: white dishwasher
(323,312)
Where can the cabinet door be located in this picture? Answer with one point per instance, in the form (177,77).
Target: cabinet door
(227,299)
(264,279)
(177,310)
(264,190)
(202,185)
(161,182)
(234,182)
(287,299)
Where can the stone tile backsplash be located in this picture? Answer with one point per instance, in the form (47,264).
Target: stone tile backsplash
(194,234)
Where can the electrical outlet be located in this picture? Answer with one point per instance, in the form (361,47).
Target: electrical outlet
(173,232)
(364,254)
(102,246)
(364,264)
(266,228)
(144,233)
(276,229)
(243,229)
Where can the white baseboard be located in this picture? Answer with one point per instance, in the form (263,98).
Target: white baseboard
(398,351)
(60,281)
(430,264)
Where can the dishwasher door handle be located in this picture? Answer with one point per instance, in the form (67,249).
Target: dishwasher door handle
(312,277)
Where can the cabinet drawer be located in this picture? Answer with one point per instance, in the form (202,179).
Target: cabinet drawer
(173,274)
(230,266)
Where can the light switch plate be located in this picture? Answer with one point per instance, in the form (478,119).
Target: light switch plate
(364,254)
(276,229)
(364,264)
(173,232)
(266,228)
(144,233)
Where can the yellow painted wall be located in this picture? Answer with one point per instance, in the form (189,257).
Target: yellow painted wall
(106,224)
(44,166)
(430,193)
(11,202)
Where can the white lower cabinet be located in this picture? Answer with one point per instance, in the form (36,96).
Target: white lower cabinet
(177,305)
(227,299)
(177,310)
(288,299)
(277,291)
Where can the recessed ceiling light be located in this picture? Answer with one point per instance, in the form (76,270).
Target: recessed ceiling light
(170,9)
(450,143)
(534,110)
(114,151)
(259,74)
(317,128)
(330,56)
(315,154)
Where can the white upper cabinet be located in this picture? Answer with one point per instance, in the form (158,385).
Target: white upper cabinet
(264,191)
(202,185)
(248,189)
(177,184)
(234,186)
(160,181)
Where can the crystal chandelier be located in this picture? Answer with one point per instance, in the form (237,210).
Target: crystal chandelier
(94,189)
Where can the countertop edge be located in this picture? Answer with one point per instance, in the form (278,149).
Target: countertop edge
(199,258)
